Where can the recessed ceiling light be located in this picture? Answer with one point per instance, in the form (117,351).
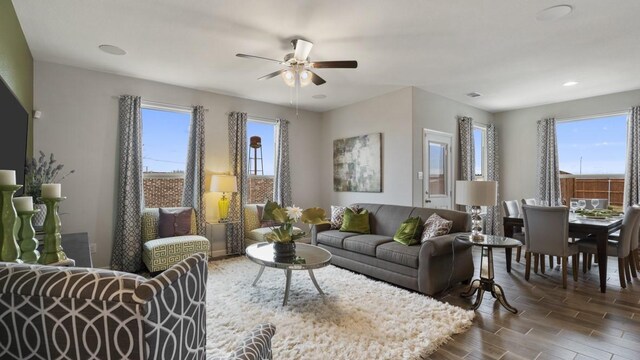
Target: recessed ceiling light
(554,13)
(319,96)
(570,83)
(474,94)
(112,49)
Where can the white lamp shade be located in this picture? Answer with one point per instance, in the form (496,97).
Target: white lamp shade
(223,183)
(477,193)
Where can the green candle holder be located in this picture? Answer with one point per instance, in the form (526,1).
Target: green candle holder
(9,249)
(52,251)
(27,237)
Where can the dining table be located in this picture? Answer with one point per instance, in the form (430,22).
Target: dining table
(579,227)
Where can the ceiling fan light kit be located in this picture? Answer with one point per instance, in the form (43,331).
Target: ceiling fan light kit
(297,71)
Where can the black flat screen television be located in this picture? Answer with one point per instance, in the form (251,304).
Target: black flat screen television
(14,126)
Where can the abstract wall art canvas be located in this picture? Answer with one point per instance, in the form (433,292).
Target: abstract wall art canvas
(356,163)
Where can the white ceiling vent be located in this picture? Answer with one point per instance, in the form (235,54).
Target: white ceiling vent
(474,94)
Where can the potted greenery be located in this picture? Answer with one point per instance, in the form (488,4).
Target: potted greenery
(282,236)
(38,172)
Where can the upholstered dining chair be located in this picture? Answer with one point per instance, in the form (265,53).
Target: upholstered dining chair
(547,233)
(532,201)
(620,248)
(528,202)
(511,209)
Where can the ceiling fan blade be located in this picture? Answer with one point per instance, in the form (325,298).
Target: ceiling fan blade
(258,58)
(317,79)
(302,49)
(341,64)
(272,75)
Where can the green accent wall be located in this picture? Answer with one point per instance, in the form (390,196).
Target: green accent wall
(16,62)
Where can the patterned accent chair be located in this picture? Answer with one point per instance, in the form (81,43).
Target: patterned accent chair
(158,254)
(84,313)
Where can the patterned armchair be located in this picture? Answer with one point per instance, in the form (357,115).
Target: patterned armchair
(81,313)
(158,254)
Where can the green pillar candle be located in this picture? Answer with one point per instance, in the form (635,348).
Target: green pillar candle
(26,237)
(52,251)
(9,249)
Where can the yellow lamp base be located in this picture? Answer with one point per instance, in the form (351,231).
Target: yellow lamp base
(223,208)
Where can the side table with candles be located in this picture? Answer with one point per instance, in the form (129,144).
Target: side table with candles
(486,281)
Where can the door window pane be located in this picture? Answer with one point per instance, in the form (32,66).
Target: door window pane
(437,175)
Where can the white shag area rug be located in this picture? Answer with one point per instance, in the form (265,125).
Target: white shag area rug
(358,318)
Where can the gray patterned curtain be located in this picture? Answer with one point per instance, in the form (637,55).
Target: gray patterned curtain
(282,179)
(238,166)
(493,219)
(465,141)
(466,151)
(127,245)
(548,166)
(193,192)
(632,173)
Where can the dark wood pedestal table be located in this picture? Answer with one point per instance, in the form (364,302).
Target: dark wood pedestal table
(486,282)
(308,257)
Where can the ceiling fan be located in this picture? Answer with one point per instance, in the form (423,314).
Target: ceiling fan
(297,65)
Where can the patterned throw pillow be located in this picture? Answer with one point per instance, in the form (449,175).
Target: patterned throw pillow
(337,215)
(435,226)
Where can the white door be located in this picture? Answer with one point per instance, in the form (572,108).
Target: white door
(437,169)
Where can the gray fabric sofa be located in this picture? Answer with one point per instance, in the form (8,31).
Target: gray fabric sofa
(429,268)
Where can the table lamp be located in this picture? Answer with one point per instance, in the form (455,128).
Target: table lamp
(476,194)
(223,184)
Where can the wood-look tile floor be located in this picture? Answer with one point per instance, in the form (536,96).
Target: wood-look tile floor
(552,323)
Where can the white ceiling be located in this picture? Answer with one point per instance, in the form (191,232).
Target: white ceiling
(449,47)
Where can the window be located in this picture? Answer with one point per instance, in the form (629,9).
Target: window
(260,160)
(592,155)
(592,146)
(480,149)
(165,139)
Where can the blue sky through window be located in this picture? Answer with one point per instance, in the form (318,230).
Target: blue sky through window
(266,131)
(477,148)
(593,146)
(165,137)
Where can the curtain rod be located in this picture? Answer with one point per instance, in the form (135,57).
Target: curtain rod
(256,117)
(163,104)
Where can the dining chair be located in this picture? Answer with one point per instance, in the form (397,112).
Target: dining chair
(533,201)
(602,203)
(511,209)
(620,248)
(529,201)
(547,233)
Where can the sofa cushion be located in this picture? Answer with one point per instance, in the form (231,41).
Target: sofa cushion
(333,237)
(408,231)
(160,254)
(174,222)
(365,244)
(399,253)
(435,226)
(356,221)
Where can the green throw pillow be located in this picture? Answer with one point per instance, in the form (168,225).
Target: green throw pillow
(356,222)
(408,231)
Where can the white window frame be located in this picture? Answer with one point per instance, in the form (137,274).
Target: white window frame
(483,156)
(587,118)
(247,166)
(170,108)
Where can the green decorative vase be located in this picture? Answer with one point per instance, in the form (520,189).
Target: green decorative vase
(27,237)
(9,249)
(52,251)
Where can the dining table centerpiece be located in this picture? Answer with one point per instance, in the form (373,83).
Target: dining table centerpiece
(283,235)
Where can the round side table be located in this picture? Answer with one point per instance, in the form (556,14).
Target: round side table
(486,282)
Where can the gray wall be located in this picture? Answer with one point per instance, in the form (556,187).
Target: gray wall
(434,112)
(389,114)
(80,125)
(517,136)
